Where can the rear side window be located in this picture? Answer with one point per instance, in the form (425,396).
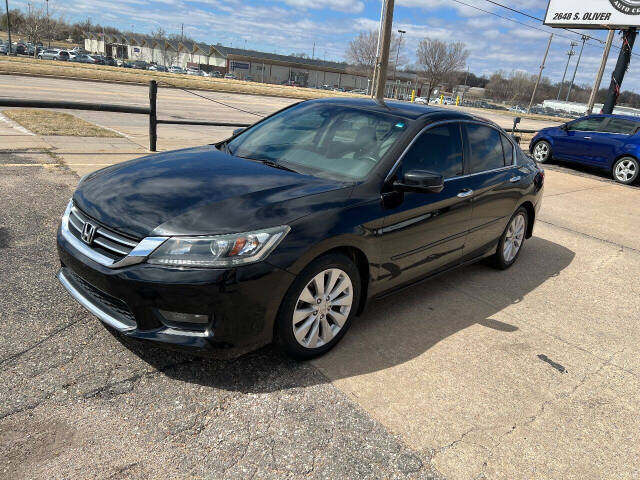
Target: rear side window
(620,125)
(485,144)
(591,124)
(437,150)
(508,151)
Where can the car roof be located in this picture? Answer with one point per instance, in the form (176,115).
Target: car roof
(411,111)
(633,118)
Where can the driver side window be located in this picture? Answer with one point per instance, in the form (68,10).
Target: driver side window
(591,124)
(437,150)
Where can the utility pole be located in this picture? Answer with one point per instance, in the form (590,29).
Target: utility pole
(535,88)
(6,2)
(313,53)
(628,39)
(383,58)
(570,54)
(374,75)
(181,32)
(395,66)
(573,79)
(603,65)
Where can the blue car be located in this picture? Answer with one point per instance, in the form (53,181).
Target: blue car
(608,142)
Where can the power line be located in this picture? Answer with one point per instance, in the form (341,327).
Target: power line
(218,102)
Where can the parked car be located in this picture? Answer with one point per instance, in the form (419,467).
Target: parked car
(4,48)
(54,54)
(139,65)
(444,101)
(230,76)
(195,72)
(108,60)
(518,109)
(176,69)
(83,58)
(20,49)
(158,68)
(607,142)
(215,74)
(421,100)
(286,230)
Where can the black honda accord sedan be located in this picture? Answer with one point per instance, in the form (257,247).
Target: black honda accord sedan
(285,231)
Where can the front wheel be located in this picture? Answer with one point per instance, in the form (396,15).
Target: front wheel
(625,170)
(542,151)
(511,240)
(317,310)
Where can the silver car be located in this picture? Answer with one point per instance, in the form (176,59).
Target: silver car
(54,54)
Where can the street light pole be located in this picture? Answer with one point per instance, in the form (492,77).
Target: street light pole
(570,54)
(48,26)
(6,2)
(584,39)
(395,67)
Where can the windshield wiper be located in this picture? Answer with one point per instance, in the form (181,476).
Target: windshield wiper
(273,164)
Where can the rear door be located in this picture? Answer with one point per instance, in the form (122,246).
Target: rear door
(495,181)
(607,144)
(425,232)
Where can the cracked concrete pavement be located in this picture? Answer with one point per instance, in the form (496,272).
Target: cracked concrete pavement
(79,402)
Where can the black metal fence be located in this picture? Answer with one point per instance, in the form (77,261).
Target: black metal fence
(150,111)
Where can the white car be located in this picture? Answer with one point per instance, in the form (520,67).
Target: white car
(193,71)
(445,101)
(422,100)
(175,69)
(518,109)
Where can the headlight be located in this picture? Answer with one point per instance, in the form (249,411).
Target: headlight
(219,250)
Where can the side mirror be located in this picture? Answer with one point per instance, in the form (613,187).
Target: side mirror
(420,181)
(238,131)
(564,126)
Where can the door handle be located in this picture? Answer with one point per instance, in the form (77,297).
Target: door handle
(587,138)
(515,179)
(465,193)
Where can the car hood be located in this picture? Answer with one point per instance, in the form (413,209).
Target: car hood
(201,191)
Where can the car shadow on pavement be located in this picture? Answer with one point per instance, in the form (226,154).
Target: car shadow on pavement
(392,331)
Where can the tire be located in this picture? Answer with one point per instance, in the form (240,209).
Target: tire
(625,170)
(307,328)
(514,234)
(39,57)
(542,151)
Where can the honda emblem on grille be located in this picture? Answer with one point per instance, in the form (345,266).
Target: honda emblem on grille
(88,231)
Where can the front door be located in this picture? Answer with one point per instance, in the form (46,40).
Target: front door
(425,232)
(576,144)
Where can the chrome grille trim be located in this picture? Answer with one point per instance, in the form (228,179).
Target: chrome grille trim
(126,255)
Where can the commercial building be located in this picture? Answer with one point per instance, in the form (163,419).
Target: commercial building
(244,64)
(581,108)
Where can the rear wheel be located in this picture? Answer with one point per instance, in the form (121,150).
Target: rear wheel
(317,310)
(542,151)
(625,170)
(512,239)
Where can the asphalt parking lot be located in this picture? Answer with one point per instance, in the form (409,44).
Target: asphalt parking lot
(479,374)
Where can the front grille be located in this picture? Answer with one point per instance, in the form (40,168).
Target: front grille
(101,299)
(105,241)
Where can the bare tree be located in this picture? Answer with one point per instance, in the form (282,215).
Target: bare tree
(34,26)
(362,51)
(438,60)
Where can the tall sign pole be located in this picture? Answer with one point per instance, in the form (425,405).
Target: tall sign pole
(383,59)
(535,88)
(603,65)
(628,39)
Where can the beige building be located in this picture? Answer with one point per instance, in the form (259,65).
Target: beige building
(244,64)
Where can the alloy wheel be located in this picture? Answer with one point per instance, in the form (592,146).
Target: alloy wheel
(513,238)
(625,170)
(322,308)
(541,152)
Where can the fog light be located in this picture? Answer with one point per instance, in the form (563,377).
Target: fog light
(187,321)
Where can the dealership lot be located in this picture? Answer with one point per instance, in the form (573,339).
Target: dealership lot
(528,373)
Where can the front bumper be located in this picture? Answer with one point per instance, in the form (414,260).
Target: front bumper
(242,303)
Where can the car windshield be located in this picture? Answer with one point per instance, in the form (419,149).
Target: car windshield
(321,139)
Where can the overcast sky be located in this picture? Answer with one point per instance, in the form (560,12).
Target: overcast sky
(288,26)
